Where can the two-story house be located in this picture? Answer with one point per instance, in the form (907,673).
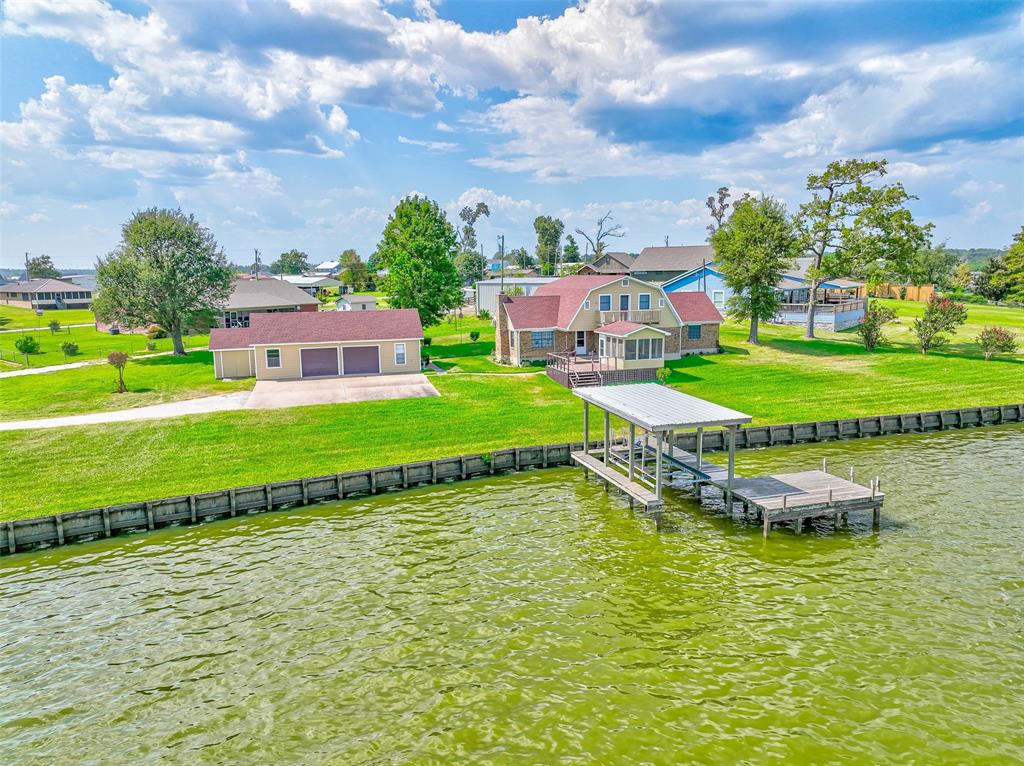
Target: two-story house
(601,329)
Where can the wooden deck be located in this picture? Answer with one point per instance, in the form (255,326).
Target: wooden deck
(635,490)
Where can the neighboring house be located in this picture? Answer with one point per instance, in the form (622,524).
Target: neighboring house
(660,264)
(487,290)
(837,306)
(327,268)
(596,329)
(263,296)
(326,344)
(310,284)
(45,294)
(88,281)
(357,302)
(609,263)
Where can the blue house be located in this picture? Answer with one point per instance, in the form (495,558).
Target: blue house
(837,306)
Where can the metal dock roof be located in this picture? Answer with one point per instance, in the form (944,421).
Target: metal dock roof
(654,407)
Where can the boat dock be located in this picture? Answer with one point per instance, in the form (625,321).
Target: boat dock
(639,468)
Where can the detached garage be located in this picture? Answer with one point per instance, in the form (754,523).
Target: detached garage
(291,346)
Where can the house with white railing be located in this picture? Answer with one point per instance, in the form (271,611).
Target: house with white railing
(601,329)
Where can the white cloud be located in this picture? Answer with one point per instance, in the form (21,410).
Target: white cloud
(444,127)
(979,211)
(433,146)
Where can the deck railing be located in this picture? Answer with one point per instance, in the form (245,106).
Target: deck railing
(822,308)
(640,317)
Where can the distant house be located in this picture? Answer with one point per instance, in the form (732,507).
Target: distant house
(837,306)
(327,268)
(357,302)
(660,264)
(318,345)
(310,284)
(88,281)
(487,290)
(263,296)
(45,294)
(609,263)
(597,329)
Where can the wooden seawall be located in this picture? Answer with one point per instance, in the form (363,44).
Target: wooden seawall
(74,526)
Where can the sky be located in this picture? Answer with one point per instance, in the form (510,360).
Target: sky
(301,123)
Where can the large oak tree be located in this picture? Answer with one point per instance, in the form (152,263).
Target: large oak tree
(168,270)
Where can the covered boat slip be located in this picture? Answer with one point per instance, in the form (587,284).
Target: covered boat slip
(639,467)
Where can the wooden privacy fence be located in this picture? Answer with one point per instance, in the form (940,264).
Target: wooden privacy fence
(74,526)
(904,292)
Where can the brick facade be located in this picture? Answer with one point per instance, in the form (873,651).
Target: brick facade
(706,344)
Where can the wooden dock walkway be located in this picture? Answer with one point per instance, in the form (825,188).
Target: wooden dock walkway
(635,490)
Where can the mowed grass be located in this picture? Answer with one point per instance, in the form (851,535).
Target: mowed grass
(17,318)
(454,351)
(786,379)
(92,388)
(91,345)
(964,339)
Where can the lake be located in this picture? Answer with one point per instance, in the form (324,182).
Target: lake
(533,618)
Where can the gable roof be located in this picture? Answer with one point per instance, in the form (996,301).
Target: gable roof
(319,327)
(532,312)
(571,292)
(681,258)
(43,286)
(266,293)
(694,307)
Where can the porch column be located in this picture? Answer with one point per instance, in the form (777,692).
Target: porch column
(607,434)
(586,427)
(632,449)
(732,468)
(657,472)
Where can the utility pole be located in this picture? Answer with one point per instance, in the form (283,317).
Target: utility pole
(666,240)
(501,253)
(256,264)
(483,263)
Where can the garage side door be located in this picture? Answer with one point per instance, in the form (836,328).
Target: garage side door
(319,361)
(361,360)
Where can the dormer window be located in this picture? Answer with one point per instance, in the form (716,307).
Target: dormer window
(625,283)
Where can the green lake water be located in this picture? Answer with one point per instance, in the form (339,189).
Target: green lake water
(533,619)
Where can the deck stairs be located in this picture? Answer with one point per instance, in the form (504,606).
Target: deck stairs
(585,378)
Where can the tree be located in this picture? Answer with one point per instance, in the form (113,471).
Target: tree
(41,267)
(118,360)
(167,270)
(997,340)
(54,326)
(520,257)
(876,317)
(352,271)
(961,278)
(470,266)
(292,262)
(549,241)
(851,228)
(597,242)
(417,248)
(991,282)
(1010,279)
(26,344)
(753,249)
(69,348)
(514,291)
(932,266)
(941,315)
(571,253)
(470,215)
(717,208)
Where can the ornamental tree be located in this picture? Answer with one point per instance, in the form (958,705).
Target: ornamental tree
(417,248)
(26,344)
(941,315)
(54,326)
(853,227)
(876,317)
(118,360)
(167,271)
(753,248)
(997,340)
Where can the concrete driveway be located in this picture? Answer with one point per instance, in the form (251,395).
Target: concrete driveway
(276,394)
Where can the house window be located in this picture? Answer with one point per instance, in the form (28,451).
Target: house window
(586,305)
(512,340)
(604,302)
(693,331)
(624,302)
(630,349)
(400,353)
(543,339)
(661,303)
(625,283)
(644,302)
(643,348)
(273,357)
(718,298)
(656,347)
(600,343)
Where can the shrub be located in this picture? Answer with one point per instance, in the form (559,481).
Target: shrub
(26,344)
(941,315)
(150,345)
(118,360)
(54,326)
(875,318)
(663,373)
(484,314)
(155,332)
(426,359)
(474,336)
(427,341)
(997,340)
(70,348)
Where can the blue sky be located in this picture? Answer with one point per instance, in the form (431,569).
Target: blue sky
(300,123)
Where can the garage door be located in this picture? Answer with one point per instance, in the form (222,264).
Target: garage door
(361,360)
(319,361)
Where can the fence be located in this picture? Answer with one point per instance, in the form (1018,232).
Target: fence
(26,534)
(904,292)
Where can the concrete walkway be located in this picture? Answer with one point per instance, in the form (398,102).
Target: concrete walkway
(39,329)
(87,363)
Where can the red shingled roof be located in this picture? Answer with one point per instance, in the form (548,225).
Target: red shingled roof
(532,312)
(320,327)
(572,291)
(622,329)
(694,307)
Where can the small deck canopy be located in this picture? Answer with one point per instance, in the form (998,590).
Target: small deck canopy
(657,408)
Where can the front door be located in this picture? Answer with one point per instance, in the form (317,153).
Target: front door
(581,343)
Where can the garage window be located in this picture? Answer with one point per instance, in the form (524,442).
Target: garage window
(273,357)
(400,353)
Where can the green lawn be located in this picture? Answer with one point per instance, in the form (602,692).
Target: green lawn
(91,344)
(786,379)
(18,317)
(963,341)
(452,349)
(91,389)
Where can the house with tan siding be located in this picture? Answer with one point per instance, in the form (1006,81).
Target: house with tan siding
(292,346)
(601,329)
